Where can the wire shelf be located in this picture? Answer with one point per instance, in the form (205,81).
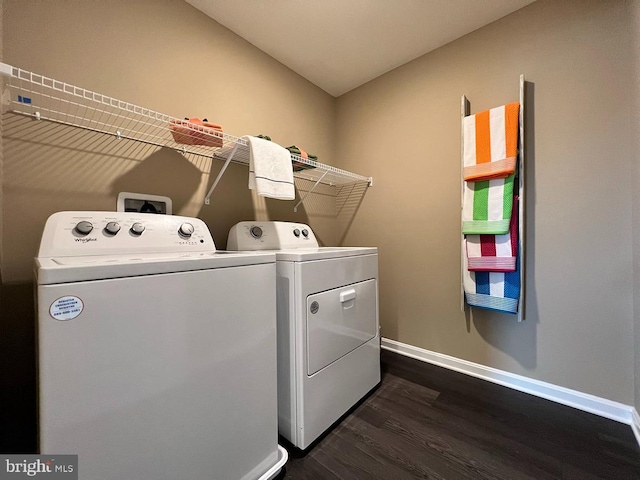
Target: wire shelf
(312,171)
(44,98)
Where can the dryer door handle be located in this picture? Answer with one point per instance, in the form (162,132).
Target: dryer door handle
(347,295)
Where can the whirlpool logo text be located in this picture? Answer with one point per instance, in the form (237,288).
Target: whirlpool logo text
(86,240)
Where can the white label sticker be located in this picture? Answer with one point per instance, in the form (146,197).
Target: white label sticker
(66,308)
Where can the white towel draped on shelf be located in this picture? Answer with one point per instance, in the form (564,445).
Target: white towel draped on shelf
(270,169)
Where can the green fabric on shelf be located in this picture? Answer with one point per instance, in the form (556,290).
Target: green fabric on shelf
(298,166)
(296,151)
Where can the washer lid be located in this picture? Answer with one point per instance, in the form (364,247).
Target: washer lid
(100,267)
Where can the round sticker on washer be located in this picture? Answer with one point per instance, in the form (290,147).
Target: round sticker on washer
(66,308)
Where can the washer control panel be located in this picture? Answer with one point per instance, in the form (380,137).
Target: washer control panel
(102,233)
(270,236)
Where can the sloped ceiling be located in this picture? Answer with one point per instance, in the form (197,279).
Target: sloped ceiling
(341,44)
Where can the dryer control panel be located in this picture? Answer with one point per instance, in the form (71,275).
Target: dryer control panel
(271,236)
(114,233)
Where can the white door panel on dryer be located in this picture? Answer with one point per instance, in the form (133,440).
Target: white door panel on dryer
(338,321)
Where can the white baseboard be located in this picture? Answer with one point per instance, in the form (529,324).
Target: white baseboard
(582,401)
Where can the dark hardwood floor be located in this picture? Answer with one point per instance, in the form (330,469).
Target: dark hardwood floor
(428,422)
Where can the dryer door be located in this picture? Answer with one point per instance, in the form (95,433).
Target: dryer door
(338,322)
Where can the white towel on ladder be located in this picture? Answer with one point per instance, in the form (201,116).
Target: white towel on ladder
(270,169)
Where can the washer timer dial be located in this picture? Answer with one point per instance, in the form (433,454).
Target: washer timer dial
(256,232)
(186,230)
(84,227)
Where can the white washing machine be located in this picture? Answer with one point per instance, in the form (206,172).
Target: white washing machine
(328,336)
(156,354)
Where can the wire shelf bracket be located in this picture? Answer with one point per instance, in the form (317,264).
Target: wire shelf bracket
(295,208)
(207,198)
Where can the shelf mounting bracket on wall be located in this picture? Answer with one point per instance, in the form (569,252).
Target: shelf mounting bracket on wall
(207,198)
(295,209)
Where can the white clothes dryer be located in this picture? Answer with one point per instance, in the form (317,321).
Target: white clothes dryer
(156,354)
(328,334)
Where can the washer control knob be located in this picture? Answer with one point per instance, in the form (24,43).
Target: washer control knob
(256,232)
(137,228)
(112,228)
(84,227)
(296,232)
(305,232)
(186,230)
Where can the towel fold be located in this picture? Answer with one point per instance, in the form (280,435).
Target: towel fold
(270,171)
(492,290)
(487,206)
(490,143)
(496,253)
(193,131)
(297,166)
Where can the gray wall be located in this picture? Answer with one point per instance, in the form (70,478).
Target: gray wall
(404,129)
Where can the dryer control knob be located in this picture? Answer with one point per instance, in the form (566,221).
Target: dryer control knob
(137,228)
(305,232)
(296,232)
(112,228)
(256,232)
(186,230)
(84,227)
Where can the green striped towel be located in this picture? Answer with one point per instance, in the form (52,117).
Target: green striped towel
(487,205)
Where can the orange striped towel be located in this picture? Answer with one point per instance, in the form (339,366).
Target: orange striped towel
(193,131)
(491,143)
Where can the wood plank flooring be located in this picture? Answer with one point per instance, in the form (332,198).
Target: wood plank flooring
(427,422)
